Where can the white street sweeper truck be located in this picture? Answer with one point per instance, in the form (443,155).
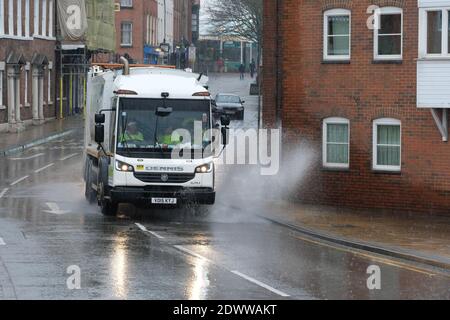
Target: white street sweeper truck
(150,138)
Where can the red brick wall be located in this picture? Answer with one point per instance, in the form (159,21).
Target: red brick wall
(138,16)
(361,91)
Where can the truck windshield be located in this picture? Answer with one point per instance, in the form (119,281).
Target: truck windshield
(145,133)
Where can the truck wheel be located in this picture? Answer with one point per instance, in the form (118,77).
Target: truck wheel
(89,193)
(109,208)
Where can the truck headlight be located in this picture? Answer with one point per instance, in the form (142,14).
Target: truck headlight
(205,168)
(122,166)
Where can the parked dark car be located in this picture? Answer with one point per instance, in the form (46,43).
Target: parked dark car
(230,105)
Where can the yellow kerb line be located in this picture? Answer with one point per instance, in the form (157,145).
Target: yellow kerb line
(376,258)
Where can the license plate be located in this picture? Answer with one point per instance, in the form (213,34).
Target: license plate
(164,200)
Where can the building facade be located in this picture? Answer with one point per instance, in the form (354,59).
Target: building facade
(182,20)
(137,30)
(27,54)
(365,85)
(166,24)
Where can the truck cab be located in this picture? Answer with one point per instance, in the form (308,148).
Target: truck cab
(149,139)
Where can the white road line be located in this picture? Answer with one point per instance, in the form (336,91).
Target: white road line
(44,168)
(28,158)
(261,284)
(248,278)
(144,229)
(192,253)
(69,156)
(4,191)
(140,226)
(19,180)
(2,243)
(54,209)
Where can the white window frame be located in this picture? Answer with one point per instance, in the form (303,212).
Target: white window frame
(385,122)
(19,19)
(11,18)
(332,13)
(50,18)
(126,3)
(2,69)
(2,17)
(44,18)
(423,33)
(36,18)
(131,34)
(325,162)
(27,18)
(378,14)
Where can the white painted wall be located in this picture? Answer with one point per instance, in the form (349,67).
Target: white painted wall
(169,22)
(433,84)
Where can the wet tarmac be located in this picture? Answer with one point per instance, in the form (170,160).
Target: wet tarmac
(47,229)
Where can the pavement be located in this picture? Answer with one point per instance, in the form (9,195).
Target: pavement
(49,233)
(11,143)
(413,236)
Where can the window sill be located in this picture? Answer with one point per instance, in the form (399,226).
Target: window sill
(335,169)
(387,172)
(393,61)
(434,59)
(2,107)
(126,45)
(41,37)
(335,61)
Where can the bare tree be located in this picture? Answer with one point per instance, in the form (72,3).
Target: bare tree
(239,18)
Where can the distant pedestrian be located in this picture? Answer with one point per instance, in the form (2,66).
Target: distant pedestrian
(252,68)
(220,65)
(242,71)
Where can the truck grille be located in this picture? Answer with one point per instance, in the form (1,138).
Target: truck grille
(151,177)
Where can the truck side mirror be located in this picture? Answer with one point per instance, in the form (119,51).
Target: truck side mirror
(100,118)
(225,134)
(99,133)
(225,120)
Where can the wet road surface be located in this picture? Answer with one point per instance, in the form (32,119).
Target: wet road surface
(46,227)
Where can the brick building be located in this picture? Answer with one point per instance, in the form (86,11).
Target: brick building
(182,21)
(369,91)
(137,30)
(27,54)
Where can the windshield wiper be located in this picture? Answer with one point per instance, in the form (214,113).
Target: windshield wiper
(123,137)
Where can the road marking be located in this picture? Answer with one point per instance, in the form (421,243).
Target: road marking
(2,242)
(259,283)
(248,278)
(144,229)
(4,191)
(44,168)
(373,257)
(19,180)
(28,158)
(54,209)
(69,156)
(192,253)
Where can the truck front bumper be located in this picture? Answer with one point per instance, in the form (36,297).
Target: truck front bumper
(143,196)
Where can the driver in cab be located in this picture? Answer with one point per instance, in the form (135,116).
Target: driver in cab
(132,134)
